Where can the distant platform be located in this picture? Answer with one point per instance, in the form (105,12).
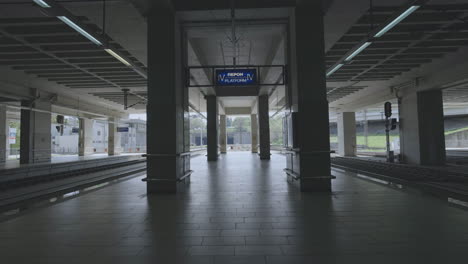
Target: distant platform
(14,164)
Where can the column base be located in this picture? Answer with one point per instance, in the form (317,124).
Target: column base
(213,157)
(4,152)
(311,184)
(166,173)
(86,151)
(154,186)
(223,149)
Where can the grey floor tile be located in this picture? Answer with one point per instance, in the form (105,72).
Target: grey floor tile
(223,241)
(239,260)
(211,250)
(240,210)
(251,250)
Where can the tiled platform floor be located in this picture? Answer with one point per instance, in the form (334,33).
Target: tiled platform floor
(240,210)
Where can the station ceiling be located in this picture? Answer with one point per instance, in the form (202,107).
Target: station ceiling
(46,49)
(430,33)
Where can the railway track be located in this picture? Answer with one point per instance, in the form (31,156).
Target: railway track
(445,182)
(30,181)
(18,193)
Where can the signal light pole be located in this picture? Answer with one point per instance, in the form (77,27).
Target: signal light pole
(388,126)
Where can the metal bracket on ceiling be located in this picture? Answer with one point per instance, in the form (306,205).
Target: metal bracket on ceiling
(234,40)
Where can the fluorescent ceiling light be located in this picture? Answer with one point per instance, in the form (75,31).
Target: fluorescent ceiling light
(359,50)
(397,20)
(141,72)
(335,69)
(42,3)
(111,52)
(79,29)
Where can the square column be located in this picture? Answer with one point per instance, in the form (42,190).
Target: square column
(4,134)
(264,127)
(222,134)
(114,147)
(422,139)
(168,142)
(36,143)
(254,132)
(310,163)
(85,137)
(212,127)
(347,134)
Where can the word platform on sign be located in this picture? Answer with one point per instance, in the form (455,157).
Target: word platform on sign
(236,77)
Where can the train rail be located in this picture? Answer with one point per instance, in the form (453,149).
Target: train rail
(447,182)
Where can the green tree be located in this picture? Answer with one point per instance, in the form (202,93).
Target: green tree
(241,124)
(276,130)
(197,124)
(15,124)
(228,122)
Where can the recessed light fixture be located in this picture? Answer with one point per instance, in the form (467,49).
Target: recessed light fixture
(117,56)
(83,32)
(335,69)
(42,3)
(397,20)
(379,34)
(359,50)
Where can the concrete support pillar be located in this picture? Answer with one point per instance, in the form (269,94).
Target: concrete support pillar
(347,134)
(114,147)
(264,127)
(4,135)
(85,137)
(167,107)
(254,132)
(212,127)
(422,139)
(35,135)
(311,134)
(222,134)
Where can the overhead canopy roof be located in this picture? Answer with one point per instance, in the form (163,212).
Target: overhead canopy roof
(47,52)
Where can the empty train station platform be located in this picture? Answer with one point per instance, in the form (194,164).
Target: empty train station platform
(233,131)
(241,214)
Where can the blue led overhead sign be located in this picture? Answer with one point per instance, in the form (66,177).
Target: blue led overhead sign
(236,77)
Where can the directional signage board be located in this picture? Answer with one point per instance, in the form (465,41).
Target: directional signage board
(12,136)
(236,77)
(122,129)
